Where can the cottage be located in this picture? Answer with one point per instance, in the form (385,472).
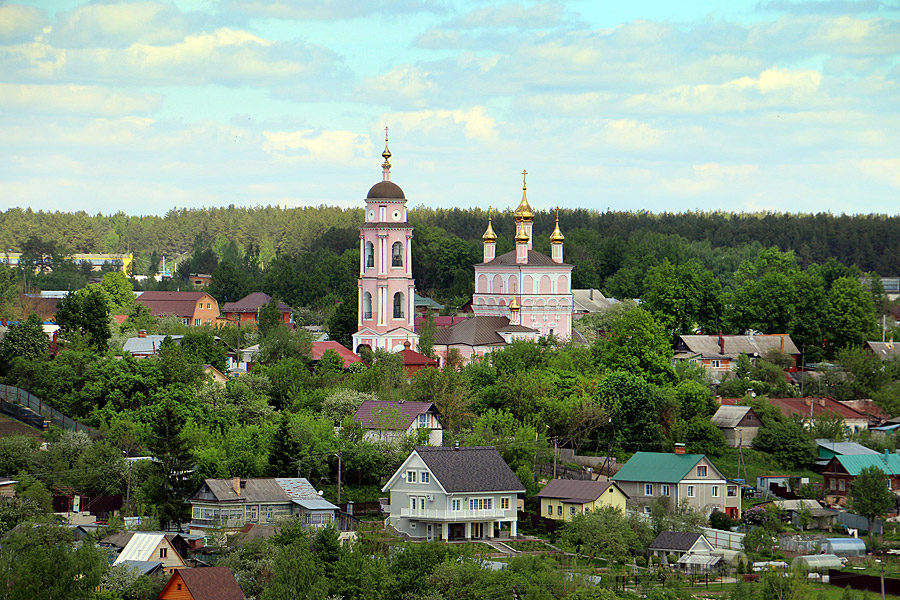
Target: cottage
(145,345)
(808,408)
(193,308)
(562,499)
(739,425)
(208,583)
(230,504)
(677,479)
(680,543)
(454,493)
(841,470)
(386,420)
(151,546)
(247,309)
(719,353)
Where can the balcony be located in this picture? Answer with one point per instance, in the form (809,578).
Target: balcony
(457,515)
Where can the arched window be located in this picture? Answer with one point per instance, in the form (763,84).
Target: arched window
(398,305)
(367,305)
(370,255)
(397,255)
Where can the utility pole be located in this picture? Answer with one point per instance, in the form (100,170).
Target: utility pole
(128,492)
(555,454)
(339,476)
(882,577)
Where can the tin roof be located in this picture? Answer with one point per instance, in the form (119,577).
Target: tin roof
(657,467)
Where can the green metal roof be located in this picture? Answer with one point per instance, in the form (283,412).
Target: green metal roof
(854,463)
(657,466)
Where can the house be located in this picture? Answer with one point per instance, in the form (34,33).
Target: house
(453,493)
(151,546)
(679,543)
(480,335)
(819,516)
(193,308)
(828,449)
(7,488)
(117,542)
(739,425)
(841,470)
(562,499)
(719,353)
(591,301)
(247,309)
(214,375)
(230,504)
(320,348)
(145,345)
(391,421)
(207,583)
(809,408)
(883,350)
(415,361)
(689,479)
(199,279)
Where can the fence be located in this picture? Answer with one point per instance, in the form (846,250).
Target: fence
(537,522)
(852,521)
(16,395)
(361,508)
(869,583)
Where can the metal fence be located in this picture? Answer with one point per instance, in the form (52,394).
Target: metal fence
(16,395)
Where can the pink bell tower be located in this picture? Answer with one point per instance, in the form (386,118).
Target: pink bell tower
(386,287)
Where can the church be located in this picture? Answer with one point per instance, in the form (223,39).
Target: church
(519,295)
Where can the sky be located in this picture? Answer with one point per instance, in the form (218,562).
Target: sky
(659,106)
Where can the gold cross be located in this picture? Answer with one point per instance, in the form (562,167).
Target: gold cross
(385,133)
(524,174)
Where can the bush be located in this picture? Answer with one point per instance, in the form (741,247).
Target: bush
(720,520)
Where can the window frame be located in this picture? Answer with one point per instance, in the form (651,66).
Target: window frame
(691,491)
(648,489)
(410,476)
(702,471)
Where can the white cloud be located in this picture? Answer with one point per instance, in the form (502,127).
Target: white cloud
(474,123)
(74,99)
(628,133)
(19,23)
(330,146)
(329,10)
(885,170)
(118,25)
(519,16)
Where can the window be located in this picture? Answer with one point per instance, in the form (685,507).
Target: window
(646,510)
(201,306)
(701,471)
(831,484)
(504,503)
(714,364)
(571,510)
(412,503)
(398,305)
(367,305)
(412,525)
(731,490)
(163,552)
(185,321)
(691,491)
(648,489)
(208,305)
(426,477)
(550,510)
(196,321)
(715,491)
(410,477)
(455,504)
(424,420)
(179,586)
(370,255)
(559,510)
(479,504)
(397,255)
(841,485)
(663,490)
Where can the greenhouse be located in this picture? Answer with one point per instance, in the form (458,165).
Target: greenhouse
(844,546)
(731,557)
(817,562)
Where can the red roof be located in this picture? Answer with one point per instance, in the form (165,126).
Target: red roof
(411,357)
(803,407)
(729,401)
(120,319)
(440,321)
(320,348)
(181,304)
(207,583)
(252,303)
(370,412)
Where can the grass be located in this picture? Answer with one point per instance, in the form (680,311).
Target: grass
(528,545)
(757,464)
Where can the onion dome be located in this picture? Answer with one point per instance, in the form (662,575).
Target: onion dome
(557,237)
(524,212)
(386,190)
(514,306)
(489,235)
(522,235)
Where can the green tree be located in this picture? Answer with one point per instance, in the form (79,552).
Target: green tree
(636,343)
(694,400)
(851,314)
(170,483)
(635,412)
(341,325)
(607,532)
(702,436)
(870,494)
(270,316)
(86,312)
(427,334)
(787,442)
(120,292)
(23,340)
(228,283)
(282,460)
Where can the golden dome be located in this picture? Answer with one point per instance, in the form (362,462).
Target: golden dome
(489,235)
(557,237)
(387,153)
(522,235)
(524,212)
(514,306)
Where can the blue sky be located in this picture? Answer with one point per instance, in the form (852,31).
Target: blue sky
(141,107)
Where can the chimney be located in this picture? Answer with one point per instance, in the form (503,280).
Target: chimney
(721,343)
(679,448)
(822,402)
(142,333)
(591,293)
(236,485)
(782,342)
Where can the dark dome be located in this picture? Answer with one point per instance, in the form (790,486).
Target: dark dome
(386,189)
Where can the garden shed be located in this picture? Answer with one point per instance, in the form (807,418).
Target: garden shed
(844,546)
(818,563)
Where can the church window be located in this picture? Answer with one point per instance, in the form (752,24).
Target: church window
(397,255)
(398,305)
(370,255)
(367,305)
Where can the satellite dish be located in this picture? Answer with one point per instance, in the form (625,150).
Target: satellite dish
(321,492)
